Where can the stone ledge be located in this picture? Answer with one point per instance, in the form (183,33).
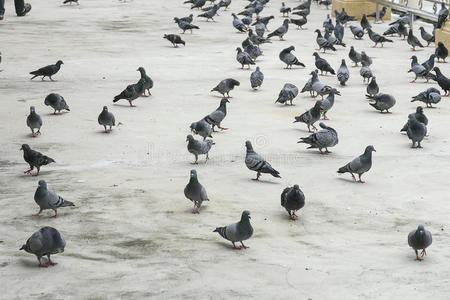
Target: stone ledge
(358,7)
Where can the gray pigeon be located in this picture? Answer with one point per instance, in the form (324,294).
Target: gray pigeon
(256,79)
(419,115)
(210,12)
(372,87)
(217,116)
(323,42)
(383,102)
(195,192)
(146,81)
(288,58)
(365,24)
(34,121)
(418,69)
(237,232)
(287,94)
(378,39)
(357,32)
(175,39)
(441,52)
(429,38)
(187,19)
(442,15)
(47,199)
(323,139)
(34,159)
(322,64)
(292,199)
(339,31)
(238,24)
(413,40)
(328,103)
(256,163)
(416,131)
(398,28)
(280,31)
(198,147)
(420,239)
(253,50)
(365,72)
(429,97)
(57,102)
(343,74)
(105,118)
(45,242)
(185,25)
(225,86)
(308,87)
(299,22)
(359,165)
(131,93)
(285,10)
(202,128)
(310,117)
(366,59)
(244,58)
(354,56)
(317,86)
(47,71)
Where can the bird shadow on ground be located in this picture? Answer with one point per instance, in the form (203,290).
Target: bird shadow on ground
(350,180)
(226,245)
(57,114)
(29,263)
(124,105)
(103,132)
(263,181)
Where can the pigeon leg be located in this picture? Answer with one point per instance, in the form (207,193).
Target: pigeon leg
(51,78)
(257,176)
(106,131)
(234,247)
(41,265)
(324,116)
(27,171)
(42,78)
(243,246)
(148,90)
(424,252)
(56,214)
(359,175)
(223,128)
(50,263)
(196,158)
(131,104)
(314,127)
(39,131)
(37,174)
(38,214)
(412,81)
(294,215)
(353,177)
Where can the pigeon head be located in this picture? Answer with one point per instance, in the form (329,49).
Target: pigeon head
(319,34)
(343,62)
(285,22)
(176,20)
(291,48)
(59,62)
(42,183)
(437,70)
(32,109)
(234,82)
(238,49)
(419,109)
(141,69)
(189,138)
(193,126)
(245,215)
(322,125)
(420,233)
(432,56)
(316,54)
(335,92)
(248,145)
(440,45)
(317,105)
(193,173)
(25,147)
(421,28)
(257,69)
(105,108)
(224,101)
(370,149)
(234,15)
(296,187)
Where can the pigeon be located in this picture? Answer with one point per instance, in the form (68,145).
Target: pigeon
(198,4)
(224,3)
(359,165)
(195,192)
(308,86)
(310,117)
(343,74)
(299,22)
(366,59)
(357,32)
(328,24)
(442,15)
(238,24)
(260,29)
(343,17)
(255,39)
(304,5)
(185,25)
(325,2)
(420,239)
(175,39)
(34,121)
(288,58)
(244,58)
(202,128)
(381,14)
(47,71)
(187,19)
(304,12)
(419,116)
(418,69)
(198,147)
(322,139)
(323,42)
(292,199)
(365,24)
(398,28)
(71,1)
(247,20)
(429,64)
(105,118)
(372,88)
(332,40)
(416,131)
(237,232)
(256,163)
(365,72)
(442,81)
(427,37)
(323,65)
(225,86)
(285,10)
(377,39)
(429,97)
(404,19)
(45,241)
(317,86)
(252,50)
(441,51)
(256,79)
(280,31)
(131,93)
(354,56)
(383,102)
(413,40)
(339,31)
(210,13)
(34,159)
(288,93)
(263,20)
(146,81)
(47,199)
(328,103)
(57,102)
(217,116)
